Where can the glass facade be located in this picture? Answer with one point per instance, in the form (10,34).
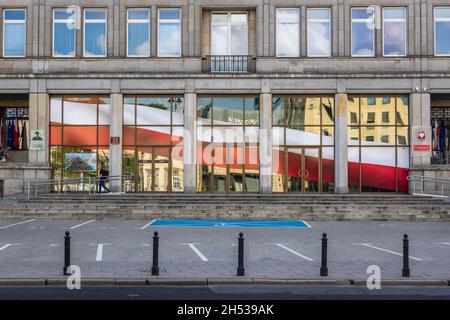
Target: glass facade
(303,144)
(79,137)
(378,143)
(153,143)
(228,144)
(14,32)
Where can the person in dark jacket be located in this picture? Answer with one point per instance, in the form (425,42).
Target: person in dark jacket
(102,178)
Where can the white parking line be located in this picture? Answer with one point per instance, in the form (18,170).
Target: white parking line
(291,251)
(194,248)
(9,245)
(385,250)
(99,256)
(16,224)
(81,224)
(444,243)
(147,225)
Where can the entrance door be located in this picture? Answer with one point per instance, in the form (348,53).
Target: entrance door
(154,169)
(302,169)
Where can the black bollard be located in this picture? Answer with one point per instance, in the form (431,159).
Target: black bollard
(66,253)
(155,267)
(240,268)
(405,271)
(324,267)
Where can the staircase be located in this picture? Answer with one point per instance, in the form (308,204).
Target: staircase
(225,206)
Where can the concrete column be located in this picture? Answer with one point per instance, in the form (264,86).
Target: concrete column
(115,152)
(420,117)
(190,143)
(340,144)
(39,120)
(265,143)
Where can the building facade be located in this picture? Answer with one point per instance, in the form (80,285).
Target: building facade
(257,96)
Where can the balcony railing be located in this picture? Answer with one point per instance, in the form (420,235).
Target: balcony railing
(229,64)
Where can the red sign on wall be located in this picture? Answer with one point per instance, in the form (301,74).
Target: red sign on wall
(115,140)
(420,147)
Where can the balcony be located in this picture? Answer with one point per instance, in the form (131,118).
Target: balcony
(229,64)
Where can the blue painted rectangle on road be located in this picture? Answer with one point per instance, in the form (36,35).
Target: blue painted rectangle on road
(231,223)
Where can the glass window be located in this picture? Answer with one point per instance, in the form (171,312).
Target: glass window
(229,34)
(394,31)
(363,34)
(95,33)
(287,33)
(169,33)
(138,33)
(64,32)
(319,32)
(14,32)
(442,31)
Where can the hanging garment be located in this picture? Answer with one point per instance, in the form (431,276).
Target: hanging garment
(1,134)
(10,137)
(435,136)
(16,135)
(442,137)
(24,136)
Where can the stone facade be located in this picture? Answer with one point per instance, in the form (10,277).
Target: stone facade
(419,74)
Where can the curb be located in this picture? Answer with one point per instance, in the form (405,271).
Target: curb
(225,281)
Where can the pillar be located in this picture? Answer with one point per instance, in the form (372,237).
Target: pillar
(265,143)
(115,152)
(39,120)
(340,144)
(420,117)
(190,143)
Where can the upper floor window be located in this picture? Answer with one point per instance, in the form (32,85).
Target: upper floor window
(394,31)
(363,32)
(442,31)
(319,32)
(64,32)
(288,32)
(229,34)
(169,32)
(95,33)
(14,32)
(138,33)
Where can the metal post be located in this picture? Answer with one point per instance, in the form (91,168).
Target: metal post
(324,267)
(155,267)
(66,253)
(241,268)
(405,271)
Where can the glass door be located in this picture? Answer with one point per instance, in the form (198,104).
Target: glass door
(153,169)
(302,169)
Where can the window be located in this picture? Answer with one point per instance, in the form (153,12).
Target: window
(64,32)
(169,33)
(319,33)
(288,34)
(394,31)
(385,117)
(442,31)
(138,33)
(363,34)
(353,118)
(229,34)
(95,33)
(371,117)
(14,32)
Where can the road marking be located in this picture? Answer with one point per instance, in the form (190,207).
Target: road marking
(444,243)
(147,225)
(54,245)
(281,245)
(9,245)
(146,244)
(38,227)
(81,224)
(194,248)
(385,250)
(16,224)
(99,256)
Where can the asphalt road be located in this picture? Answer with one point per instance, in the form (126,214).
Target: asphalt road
(123,249)
(234,292)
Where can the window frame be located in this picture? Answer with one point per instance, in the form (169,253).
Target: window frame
(434,29)
(170,21)
(24,22)
(319,21)
(138,21)
(405,28)
(53,34)
(298,29)
(229,24)
(351,33)
(95,21)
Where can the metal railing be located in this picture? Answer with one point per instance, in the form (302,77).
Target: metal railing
(34,188)
(429,187)
(229,64)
